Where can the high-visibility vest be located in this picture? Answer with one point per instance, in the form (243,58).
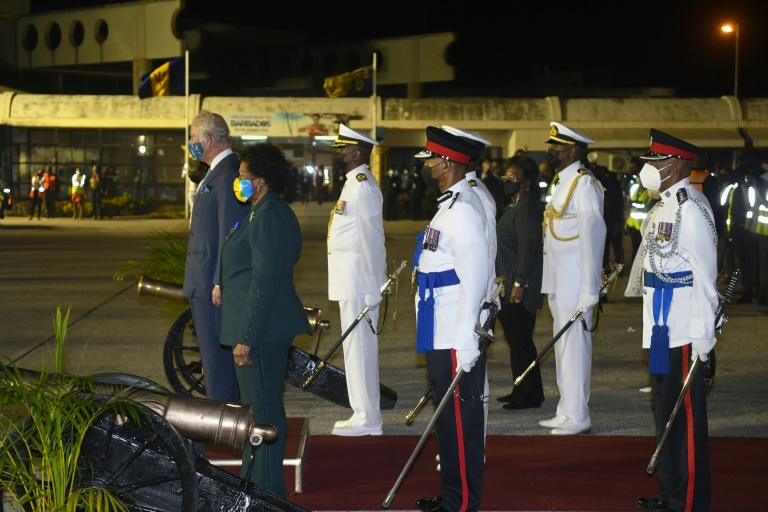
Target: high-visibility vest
(551,188)
(640,202)
(757,215)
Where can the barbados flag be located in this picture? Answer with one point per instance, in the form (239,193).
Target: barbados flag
(165,80)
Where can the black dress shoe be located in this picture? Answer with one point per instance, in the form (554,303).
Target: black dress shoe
(507,398)
(652,503)
(430,504)
(514,406)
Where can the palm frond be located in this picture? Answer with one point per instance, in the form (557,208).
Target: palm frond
(164,259)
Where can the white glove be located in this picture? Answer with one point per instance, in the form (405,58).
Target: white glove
(702,348)
(466,359)
(372,301)
(587,302)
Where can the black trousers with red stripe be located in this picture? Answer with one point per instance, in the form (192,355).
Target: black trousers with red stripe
(683,464)
(460,430)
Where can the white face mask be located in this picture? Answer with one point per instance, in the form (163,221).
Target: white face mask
(650,177)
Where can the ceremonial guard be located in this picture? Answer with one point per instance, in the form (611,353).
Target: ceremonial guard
(479,144)
(574,238)
(357,269)
(452,264)
(675,271)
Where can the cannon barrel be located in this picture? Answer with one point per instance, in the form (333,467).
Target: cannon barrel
(171,291)
(199,419)
(149,286)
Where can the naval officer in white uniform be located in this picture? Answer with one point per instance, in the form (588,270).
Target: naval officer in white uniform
(357,270)
(574,238)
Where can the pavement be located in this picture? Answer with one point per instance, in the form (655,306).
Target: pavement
(70,264)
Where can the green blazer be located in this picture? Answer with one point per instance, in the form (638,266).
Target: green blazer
(259,300)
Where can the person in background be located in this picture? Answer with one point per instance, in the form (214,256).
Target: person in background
(416,193)
(94,185)
(138,186)
(51,186)
(36,193)
(357,269)
(492,182)
(613,212)
(519,260)
(215,212)
(261,311)
(391,193)
(452,264)
(478,145)
(675,273)
(78,193)
(574,240)
(319,179)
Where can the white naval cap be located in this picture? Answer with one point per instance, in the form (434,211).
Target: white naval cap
(561,134)
(476,141)
(349,137)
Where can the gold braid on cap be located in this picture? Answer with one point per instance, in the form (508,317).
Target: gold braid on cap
(551,213)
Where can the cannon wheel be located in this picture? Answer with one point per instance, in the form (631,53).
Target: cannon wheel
(181,358)
(147,465)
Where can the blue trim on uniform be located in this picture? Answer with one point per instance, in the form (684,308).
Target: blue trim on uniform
(658,360)
(425,318)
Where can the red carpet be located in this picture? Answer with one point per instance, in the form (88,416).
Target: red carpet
(522,473)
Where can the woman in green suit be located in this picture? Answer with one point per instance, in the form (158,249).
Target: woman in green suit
(261,312)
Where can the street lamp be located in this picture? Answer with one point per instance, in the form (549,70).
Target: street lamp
(728,28)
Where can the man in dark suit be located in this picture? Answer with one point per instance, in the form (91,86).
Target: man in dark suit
(214,213)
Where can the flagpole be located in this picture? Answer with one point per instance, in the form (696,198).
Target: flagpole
(373,110)
(186,133)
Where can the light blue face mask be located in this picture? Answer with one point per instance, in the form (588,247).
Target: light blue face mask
(243,189)
(196,150)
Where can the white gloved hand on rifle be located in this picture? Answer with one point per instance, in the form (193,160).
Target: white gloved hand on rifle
(466,359)
(702,348)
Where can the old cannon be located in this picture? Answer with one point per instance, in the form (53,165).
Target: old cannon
(158,463)
(184,369)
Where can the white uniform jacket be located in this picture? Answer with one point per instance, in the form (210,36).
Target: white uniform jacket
(574,266)
(357,258)
(489,206)
(692,311)
(463,242)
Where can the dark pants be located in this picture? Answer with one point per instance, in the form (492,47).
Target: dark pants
(683,464)
(218,362)
(96,203)
(460,430)
(262,388)
(50,203)
(37,204)
(614,238)
(518,324)
(745,246)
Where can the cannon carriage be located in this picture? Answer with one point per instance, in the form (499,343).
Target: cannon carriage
(157,463)
(185,373)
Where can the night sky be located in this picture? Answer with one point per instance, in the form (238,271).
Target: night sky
(624,44)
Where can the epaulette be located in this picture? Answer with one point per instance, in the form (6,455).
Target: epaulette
(472,183)
(361,176)
(682,196)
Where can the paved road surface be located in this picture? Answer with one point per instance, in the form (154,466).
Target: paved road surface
(70,264)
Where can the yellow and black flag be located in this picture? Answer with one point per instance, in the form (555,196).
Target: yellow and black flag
(353,83)
(165,80)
